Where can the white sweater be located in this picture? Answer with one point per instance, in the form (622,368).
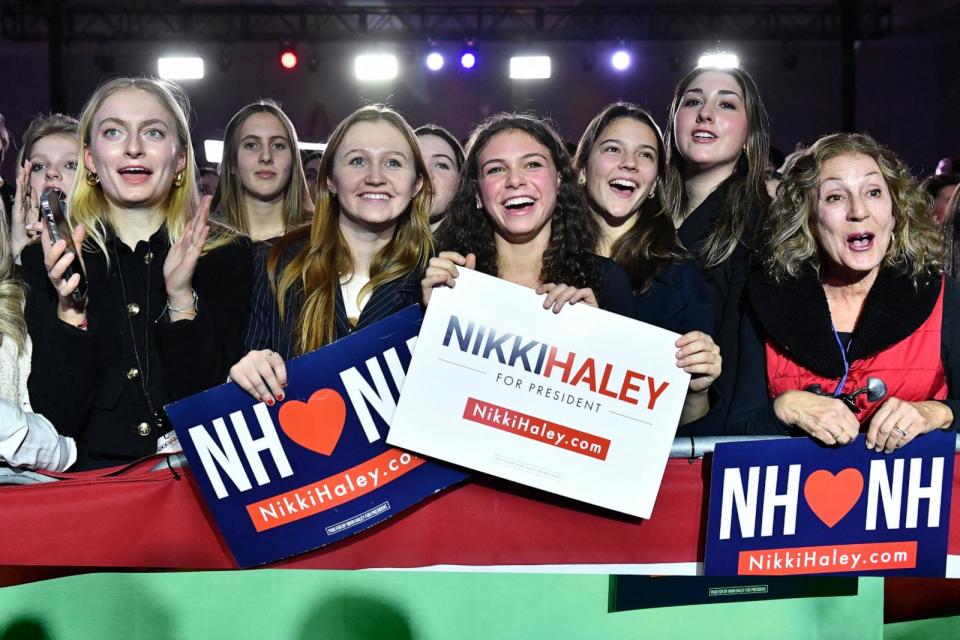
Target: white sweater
(27,439)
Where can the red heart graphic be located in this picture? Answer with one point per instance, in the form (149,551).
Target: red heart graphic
(832,496)
(317,423)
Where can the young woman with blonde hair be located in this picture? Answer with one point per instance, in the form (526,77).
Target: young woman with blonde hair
(360,260)
(166,298)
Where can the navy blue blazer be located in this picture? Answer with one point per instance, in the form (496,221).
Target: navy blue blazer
(266,330)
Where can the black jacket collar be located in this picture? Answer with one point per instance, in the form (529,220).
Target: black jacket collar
(794,315)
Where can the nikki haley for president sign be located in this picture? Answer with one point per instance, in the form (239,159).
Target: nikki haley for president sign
(315,468)
(791,507)
(583,403)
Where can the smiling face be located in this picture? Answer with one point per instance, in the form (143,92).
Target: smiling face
(853,223)
(374,175)
(711,124)
(518,185)
(53,163)
(134,149)
(442,165)
(264,157)
(621,169)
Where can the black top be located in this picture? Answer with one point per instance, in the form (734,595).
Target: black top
(679,300)
(615,293)
(88,383)
(727,281)
(796,316)
(267,331)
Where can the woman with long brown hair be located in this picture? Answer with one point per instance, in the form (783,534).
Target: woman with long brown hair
(262,191)
(360,259)
(620,160)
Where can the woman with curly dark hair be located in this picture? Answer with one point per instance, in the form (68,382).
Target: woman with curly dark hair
(853,325)
(619,161)
(518,214)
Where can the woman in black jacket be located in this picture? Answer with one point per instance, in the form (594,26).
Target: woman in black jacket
(619,161)
(166,302)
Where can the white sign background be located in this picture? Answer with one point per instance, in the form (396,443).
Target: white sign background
(441,380)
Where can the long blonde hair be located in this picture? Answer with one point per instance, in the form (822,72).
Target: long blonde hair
(13,325)
(87,204)
(315,270)
(230,200)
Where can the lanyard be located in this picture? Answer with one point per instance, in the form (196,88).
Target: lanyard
(846,365)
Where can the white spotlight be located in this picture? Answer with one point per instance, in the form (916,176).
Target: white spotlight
(620,60)
(180,68)
(719,60)
(213,150)
(435,61)
(375,66)
(529,67)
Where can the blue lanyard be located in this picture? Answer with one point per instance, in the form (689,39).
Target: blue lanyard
(846,365)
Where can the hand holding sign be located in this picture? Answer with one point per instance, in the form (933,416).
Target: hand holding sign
(262,374)
(442,270)
(898,422)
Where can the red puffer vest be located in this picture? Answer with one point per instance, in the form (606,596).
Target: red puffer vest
(912,369)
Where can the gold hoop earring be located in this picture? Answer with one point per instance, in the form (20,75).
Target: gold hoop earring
(178,179)
(92,179)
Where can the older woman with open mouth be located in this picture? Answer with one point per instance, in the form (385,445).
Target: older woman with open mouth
(852,326)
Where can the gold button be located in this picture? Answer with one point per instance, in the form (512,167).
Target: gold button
(143,429)
(133,308)
(132,373)
(148,257)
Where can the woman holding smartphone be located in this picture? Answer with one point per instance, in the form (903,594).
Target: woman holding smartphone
(360,260)
(619,161)
(518,214)
(166,302)
(262,190)
(47,159)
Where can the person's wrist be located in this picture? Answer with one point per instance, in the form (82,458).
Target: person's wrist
(180,299)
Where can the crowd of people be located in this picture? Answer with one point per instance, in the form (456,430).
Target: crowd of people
(813,294)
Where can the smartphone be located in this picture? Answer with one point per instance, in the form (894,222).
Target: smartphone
(53,208)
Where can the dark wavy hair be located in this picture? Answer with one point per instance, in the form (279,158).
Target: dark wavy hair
(746,190)
(787,243)
(650,245)
(569,257)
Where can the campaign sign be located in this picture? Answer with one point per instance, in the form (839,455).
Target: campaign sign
(791,507)
(583,403)
(314,468)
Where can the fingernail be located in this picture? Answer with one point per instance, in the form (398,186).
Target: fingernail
(279,397)
(269,402)
(869,445)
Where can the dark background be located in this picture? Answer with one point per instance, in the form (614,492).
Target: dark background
(903,83)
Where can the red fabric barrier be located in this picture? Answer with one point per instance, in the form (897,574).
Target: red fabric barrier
(145,519)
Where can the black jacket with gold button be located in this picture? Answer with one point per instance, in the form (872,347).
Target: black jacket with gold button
(90,384)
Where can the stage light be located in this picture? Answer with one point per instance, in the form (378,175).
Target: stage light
(468,59)
(213,150)
(529,67)
(719,60)
(435,61)
(181,68)
(375,66)
(289,58)
(620,60)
